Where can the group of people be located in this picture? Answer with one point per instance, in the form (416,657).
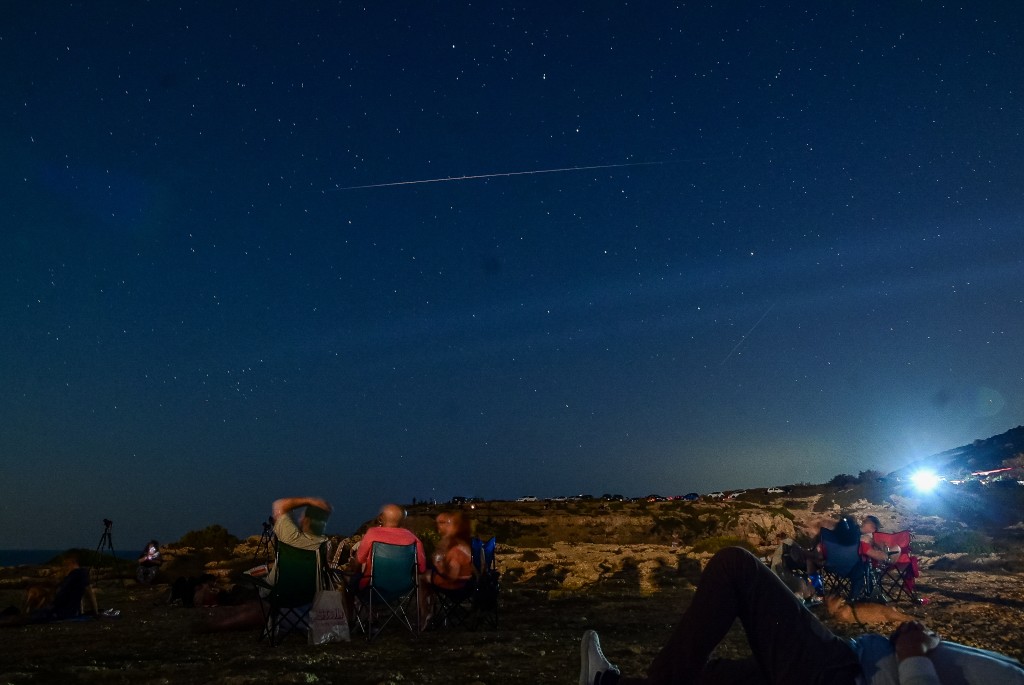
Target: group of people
(450,566)
(789,644)
(787,641)
(799,567)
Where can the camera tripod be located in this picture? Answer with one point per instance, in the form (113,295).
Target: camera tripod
(265,540)
(106,539)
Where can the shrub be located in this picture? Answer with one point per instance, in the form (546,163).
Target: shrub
(965,541)
(216,539)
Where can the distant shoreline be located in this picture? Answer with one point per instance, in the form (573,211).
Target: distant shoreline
(35,557)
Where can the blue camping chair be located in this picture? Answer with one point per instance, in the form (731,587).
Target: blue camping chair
(488,583)
(393,586)
(845,572)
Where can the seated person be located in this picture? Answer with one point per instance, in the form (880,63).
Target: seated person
(67,600)
(389,531)
(790,645)
(149,562)
(452,562)
(308,534)
(790,564)
(868,547)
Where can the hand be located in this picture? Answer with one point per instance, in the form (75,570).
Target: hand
(913,639)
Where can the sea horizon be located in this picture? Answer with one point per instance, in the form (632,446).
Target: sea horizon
(35,557)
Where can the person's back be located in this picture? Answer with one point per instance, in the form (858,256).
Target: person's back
(389,531)
(67,601)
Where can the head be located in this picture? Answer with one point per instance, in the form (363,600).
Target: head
(71,561)
(453,525)
(314,520)
(847,530)
(833,603)
(870,524)
(391,516)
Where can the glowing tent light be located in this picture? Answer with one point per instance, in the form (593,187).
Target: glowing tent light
(925,481)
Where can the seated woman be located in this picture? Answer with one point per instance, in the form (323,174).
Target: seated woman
(451,565)
(149,563)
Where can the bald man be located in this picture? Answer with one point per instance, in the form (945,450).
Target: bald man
(388,530)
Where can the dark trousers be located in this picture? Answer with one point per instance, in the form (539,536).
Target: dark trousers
(790,645)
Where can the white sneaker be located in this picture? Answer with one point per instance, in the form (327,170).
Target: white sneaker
(592,659)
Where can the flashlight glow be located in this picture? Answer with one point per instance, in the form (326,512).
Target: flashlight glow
(925,481)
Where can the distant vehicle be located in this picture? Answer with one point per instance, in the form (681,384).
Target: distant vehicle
(527,498)
(716,495)
(458,500)
(559,498)
(736,494)
(691,497)
(775,491)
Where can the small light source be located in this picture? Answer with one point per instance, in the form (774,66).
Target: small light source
(925,481)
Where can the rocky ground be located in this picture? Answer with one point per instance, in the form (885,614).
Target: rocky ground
(631,593)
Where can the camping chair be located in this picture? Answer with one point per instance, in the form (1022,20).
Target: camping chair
(845,572)
(477,600)
(486,589)
(287,602)
(897,576)
(393,584)
(454,608)
(790,562)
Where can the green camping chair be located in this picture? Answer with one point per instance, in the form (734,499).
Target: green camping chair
(393,587)
(287,602)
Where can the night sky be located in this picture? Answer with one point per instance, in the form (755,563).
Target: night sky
(798,251)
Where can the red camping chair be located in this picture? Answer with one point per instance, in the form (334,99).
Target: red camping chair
(899,573)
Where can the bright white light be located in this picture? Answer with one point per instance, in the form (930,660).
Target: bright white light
(925,481)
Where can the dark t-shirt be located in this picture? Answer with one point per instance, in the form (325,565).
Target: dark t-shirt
(67,602)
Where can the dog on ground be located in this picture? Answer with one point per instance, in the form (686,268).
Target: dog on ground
(863,612)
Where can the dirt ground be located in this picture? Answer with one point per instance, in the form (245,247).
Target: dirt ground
(537,639)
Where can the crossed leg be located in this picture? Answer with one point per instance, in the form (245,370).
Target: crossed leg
(789,644)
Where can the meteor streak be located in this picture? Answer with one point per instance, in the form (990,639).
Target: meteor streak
(507,173)
(747,334)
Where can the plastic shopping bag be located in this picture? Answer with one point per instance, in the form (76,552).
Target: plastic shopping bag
(328,621)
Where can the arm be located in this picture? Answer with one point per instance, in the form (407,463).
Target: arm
(456,564)
(868,549)
(912,641)
(286,504)
(92,600)
(421,557)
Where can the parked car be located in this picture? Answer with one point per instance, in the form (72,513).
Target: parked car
(527,498)
(691,497)
(775,491)
(716,495)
